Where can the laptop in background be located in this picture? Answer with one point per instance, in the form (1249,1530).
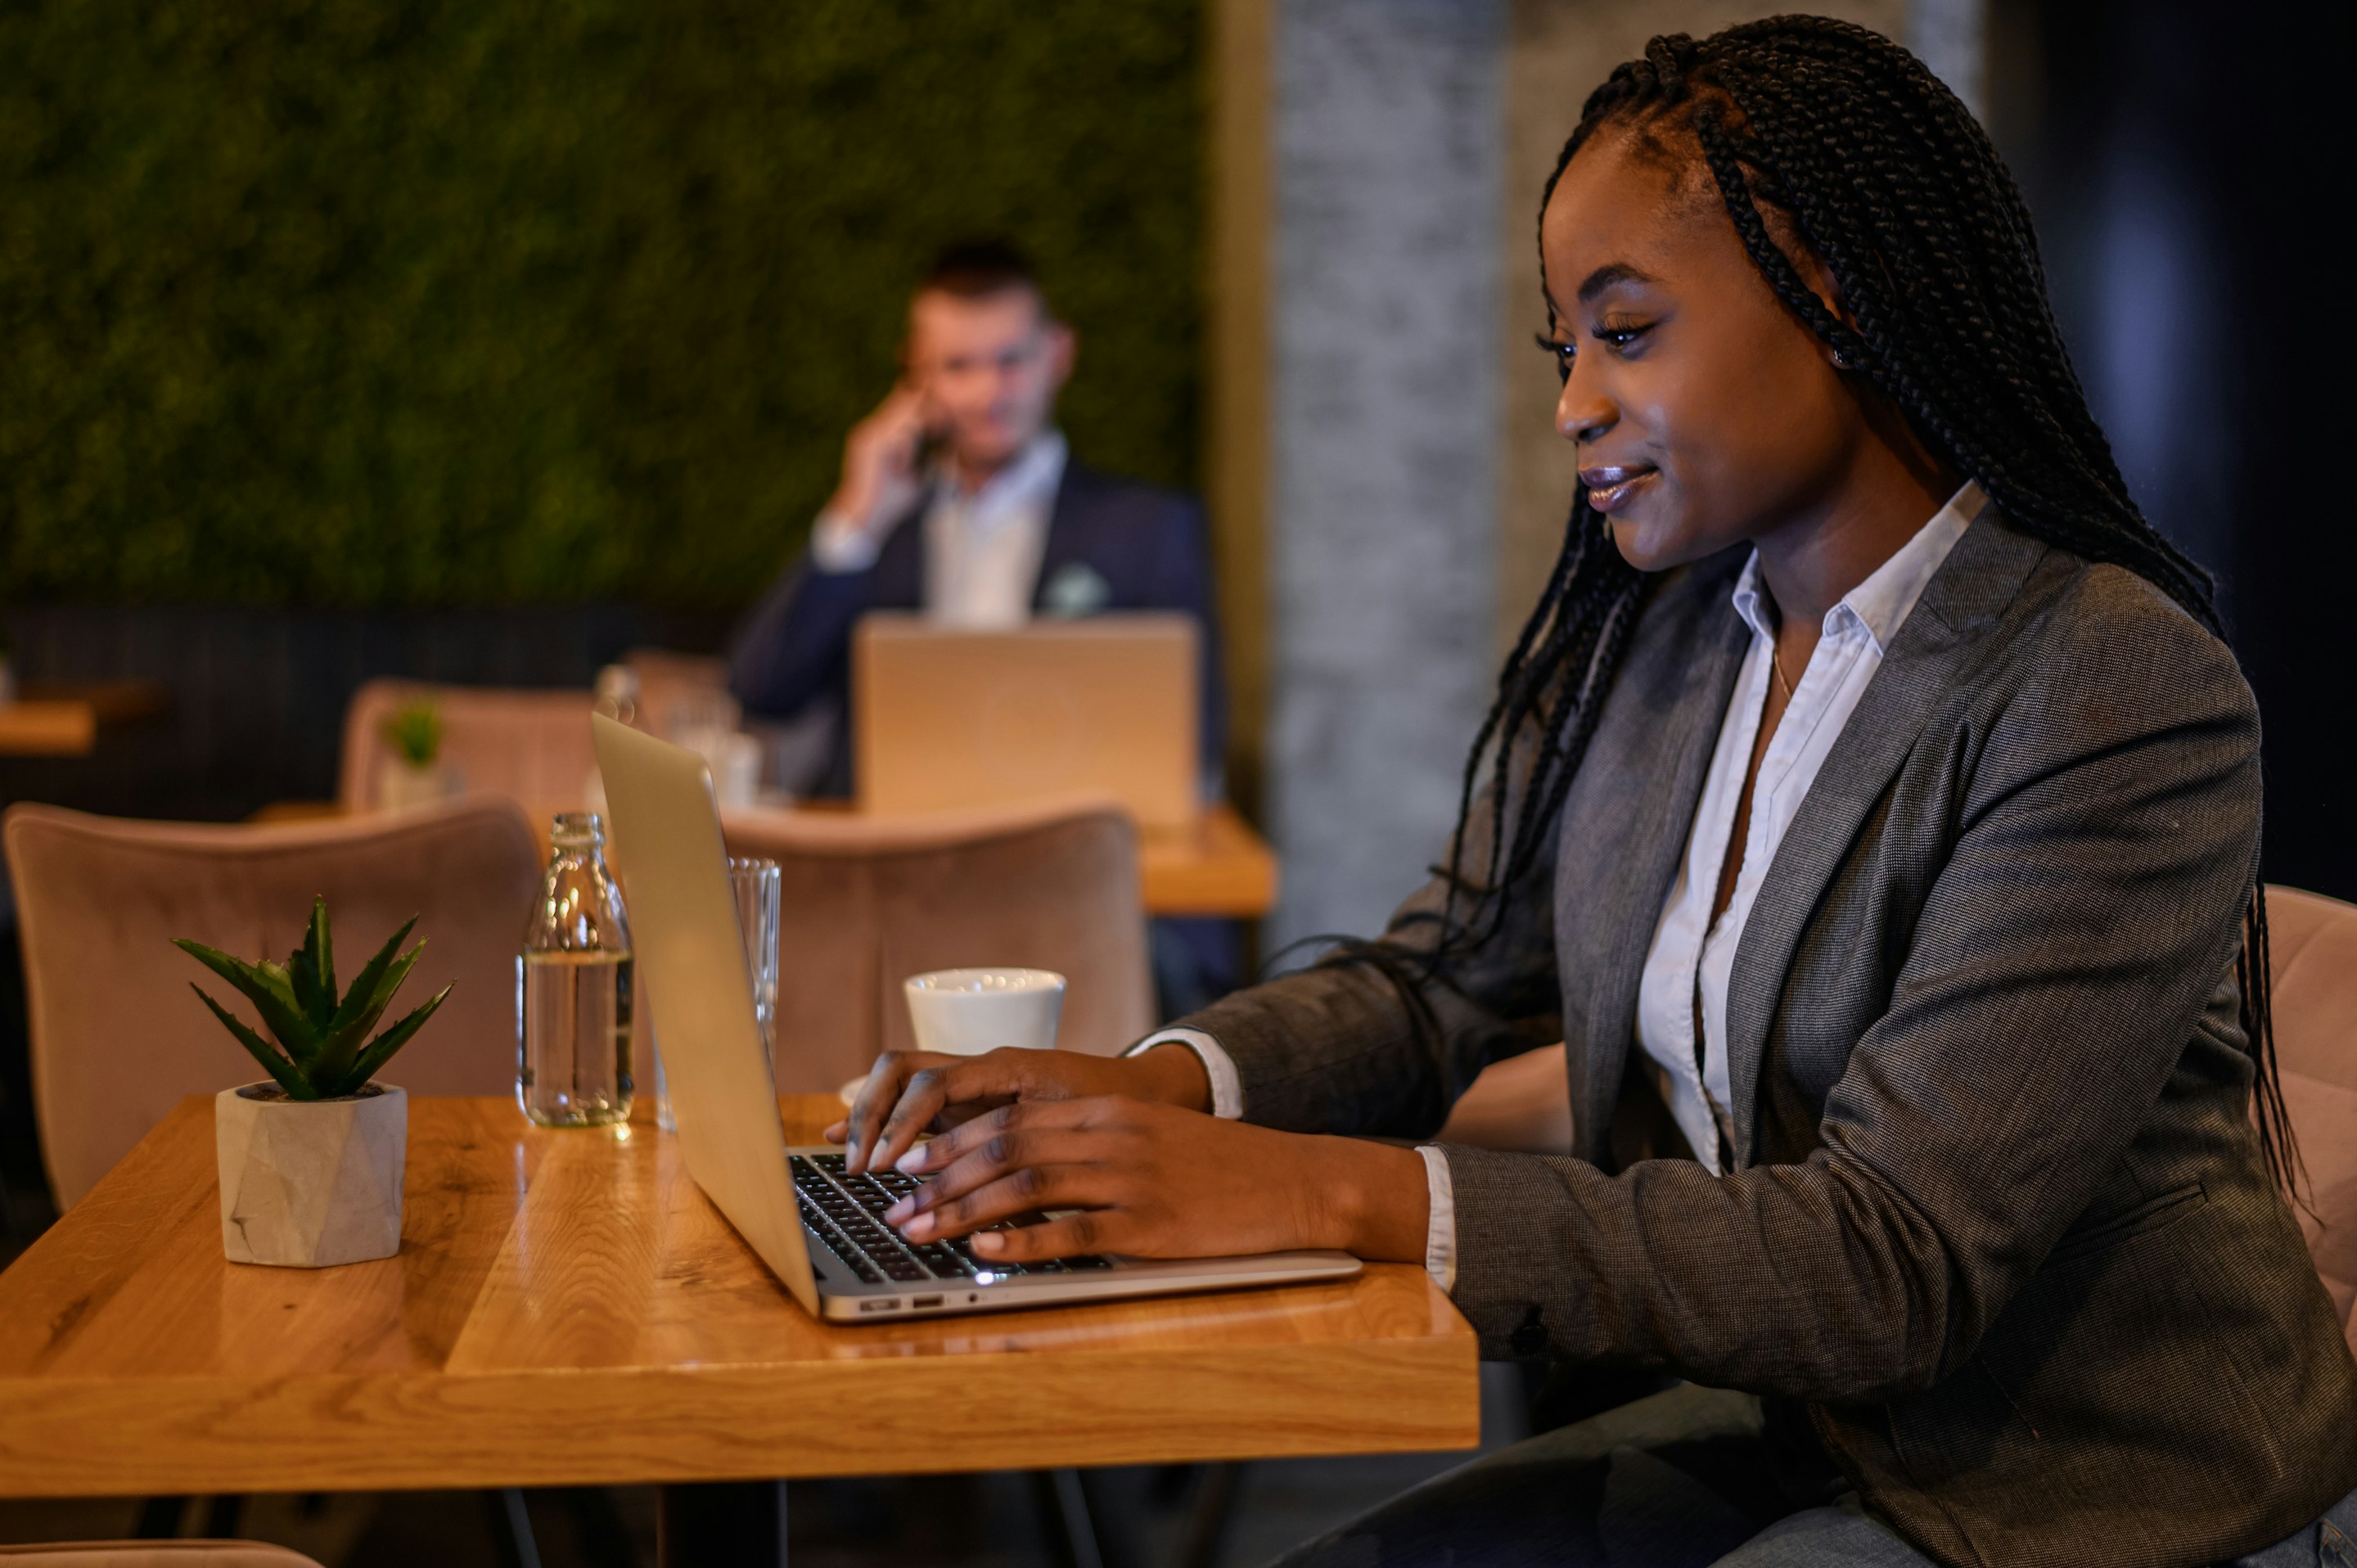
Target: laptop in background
(818,1228)
(943,718)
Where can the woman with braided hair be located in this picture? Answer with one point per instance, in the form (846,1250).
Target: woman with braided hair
(1872,809)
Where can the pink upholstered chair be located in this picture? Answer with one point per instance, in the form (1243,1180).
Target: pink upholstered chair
(117,1036)
(154,1554)
(869,901)
(2314,943)
(1522,1105)
(530,745)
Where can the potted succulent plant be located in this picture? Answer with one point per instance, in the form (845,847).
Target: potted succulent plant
(311,1161)
(414,775)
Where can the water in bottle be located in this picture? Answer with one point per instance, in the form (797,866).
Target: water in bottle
(573,988)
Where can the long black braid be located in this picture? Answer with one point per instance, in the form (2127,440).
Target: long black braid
(1887,178)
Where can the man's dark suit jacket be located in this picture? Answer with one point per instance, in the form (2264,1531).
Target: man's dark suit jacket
(1997,1221)
(1124,545)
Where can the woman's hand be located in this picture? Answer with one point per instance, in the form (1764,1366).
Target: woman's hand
(908,1093)
(1155,1181)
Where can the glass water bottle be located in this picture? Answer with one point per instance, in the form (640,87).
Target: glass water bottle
(573,987)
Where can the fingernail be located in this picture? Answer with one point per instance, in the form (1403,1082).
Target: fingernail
(913,1161)
(990,1241)
(900,1211)
(920,1227)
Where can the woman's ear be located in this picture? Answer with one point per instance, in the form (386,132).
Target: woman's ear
(1822,283)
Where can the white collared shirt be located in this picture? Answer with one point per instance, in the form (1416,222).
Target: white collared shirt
(982,546)
(1688,948)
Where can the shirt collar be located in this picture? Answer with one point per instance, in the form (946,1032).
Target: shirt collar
(1880,604)
(1030,479)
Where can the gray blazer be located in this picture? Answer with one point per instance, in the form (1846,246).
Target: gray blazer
(1998,1218)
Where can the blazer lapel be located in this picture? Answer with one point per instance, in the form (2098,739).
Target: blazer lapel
(1647,761)
(1069,527)
(1945,630)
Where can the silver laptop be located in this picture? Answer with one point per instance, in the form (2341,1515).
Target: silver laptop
(819,1229)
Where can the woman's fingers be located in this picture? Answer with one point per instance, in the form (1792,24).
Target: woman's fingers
(948,1090)
(1068,1235)
(1022,1191)
(1020,1139)
(877,1095)
(963,1141)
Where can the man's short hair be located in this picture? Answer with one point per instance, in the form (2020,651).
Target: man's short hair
(974,269)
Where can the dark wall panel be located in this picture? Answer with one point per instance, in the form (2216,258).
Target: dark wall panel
(2189,170)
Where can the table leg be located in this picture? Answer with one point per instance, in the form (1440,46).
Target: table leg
(721,1524)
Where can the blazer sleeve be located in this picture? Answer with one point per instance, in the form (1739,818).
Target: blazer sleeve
(796,645)
(2066,954)
(1381,1038)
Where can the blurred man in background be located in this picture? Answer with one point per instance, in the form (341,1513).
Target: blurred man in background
(958,498)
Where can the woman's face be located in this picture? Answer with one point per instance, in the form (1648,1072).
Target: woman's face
(1704,413)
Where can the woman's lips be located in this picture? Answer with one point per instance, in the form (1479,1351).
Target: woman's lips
(1611,490)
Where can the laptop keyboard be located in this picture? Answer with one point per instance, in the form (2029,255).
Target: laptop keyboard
(846,1212)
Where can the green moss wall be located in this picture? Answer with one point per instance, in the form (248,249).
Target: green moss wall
(432,302)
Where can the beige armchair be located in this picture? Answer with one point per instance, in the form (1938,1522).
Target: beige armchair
(869,901)
(154,1554)
(117,1036)
(530,745)
(2314,940)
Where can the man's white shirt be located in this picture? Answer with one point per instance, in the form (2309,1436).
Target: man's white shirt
(982,547)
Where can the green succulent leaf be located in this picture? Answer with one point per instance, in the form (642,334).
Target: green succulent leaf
(324,1045)
(311,970)
(303,979)
(320,947)
(341,1046)
(268,987)
(288,1075)
(373,986)
(381,1049)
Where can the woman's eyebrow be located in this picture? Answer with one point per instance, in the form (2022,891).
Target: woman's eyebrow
(1611,273)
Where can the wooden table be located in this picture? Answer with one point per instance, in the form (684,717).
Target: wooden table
(1221,866)
(567,1309)
(61,718)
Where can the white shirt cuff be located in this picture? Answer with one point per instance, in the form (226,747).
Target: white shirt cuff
(1227,1090)
(1440,1230)
(837,544)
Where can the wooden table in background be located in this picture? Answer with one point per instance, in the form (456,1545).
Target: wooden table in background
(567,1309)
(61,718)
(1220,866)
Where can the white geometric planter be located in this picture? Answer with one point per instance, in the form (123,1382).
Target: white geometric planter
(400,785)
(305,1183)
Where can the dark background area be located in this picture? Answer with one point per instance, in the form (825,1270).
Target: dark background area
(422,303)
(2188,167)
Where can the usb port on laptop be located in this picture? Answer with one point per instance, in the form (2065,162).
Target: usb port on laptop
(925,1300)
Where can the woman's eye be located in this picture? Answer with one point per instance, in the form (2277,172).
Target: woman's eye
(1562,353)
(1620,335)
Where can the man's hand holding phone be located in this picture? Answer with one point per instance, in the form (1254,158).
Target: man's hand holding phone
(883,461)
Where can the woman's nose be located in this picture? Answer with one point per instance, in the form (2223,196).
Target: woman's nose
(1580,414)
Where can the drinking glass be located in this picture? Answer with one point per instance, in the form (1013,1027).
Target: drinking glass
(753,888)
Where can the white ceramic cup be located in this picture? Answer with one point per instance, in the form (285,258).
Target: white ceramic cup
(965,1011)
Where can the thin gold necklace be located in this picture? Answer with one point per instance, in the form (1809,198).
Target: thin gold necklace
(1776,662)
